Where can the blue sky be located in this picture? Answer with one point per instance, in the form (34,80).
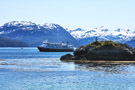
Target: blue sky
(71,14)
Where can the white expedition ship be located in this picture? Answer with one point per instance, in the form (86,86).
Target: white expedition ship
(55,47)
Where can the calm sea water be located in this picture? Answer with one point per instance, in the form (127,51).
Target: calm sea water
(29,69)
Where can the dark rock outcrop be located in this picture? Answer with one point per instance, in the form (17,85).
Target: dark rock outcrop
(103,50)
(67,57)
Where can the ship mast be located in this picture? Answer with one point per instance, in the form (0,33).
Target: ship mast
(67,43)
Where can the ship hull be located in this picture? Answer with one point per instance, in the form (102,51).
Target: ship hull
(42,49)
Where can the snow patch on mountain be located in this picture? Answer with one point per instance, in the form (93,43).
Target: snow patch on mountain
(51,26)
(19,23)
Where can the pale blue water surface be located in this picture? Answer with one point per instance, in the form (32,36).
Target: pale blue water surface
(29,69)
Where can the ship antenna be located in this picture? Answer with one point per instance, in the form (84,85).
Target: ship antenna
(67,43)
(96,39)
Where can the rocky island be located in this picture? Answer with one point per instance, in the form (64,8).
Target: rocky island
(103,51)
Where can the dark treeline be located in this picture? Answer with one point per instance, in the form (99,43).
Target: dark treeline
(6,42)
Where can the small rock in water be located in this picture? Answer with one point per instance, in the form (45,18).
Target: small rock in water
(66,57)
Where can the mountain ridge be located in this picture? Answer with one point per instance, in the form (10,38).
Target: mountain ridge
(118,35)
(34,34)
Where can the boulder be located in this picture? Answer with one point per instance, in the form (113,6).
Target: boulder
(103,50)
(67,57)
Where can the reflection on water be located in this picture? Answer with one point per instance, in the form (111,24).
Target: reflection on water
(54,64)
(106,68)
(29,69)
(38,64)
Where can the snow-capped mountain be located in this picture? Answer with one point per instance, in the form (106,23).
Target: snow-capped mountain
(34,34)
(87,36)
